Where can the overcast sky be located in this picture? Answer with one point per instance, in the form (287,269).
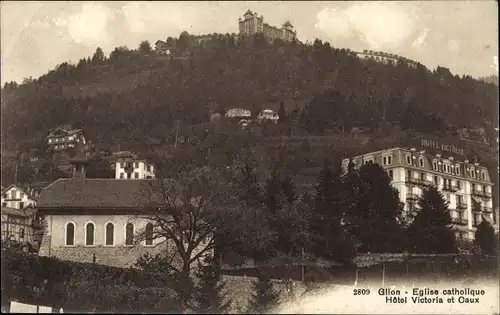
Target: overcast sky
(461,35)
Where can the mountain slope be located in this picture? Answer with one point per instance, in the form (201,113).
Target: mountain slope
(133,95)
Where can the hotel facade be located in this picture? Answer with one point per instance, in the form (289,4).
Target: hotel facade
(252,23)
(465,185)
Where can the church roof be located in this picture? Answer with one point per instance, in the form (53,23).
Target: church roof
(99,194)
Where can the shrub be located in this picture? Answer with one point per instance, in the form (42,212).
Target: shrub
(82,286)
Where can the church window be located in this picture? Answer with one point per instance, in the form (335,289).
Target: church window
(110,234)
(70,234)
(89,234)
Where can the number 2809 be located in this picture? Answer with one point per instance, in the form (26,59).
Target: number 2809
(361,291)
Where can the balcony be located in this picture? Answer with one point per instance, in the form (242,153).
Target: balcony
(487,210)
(450,188)
(459,221)
(412,197)
(418,181)
(481,193)
(461,205)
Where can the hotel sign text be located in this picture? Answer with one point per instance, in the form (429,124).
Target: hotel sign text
(442,146)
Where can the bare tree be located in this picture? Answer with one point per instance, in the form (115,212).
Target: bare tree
(193,206)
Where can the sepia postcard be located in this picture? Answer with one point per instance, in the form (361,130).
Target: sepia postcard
(250,157)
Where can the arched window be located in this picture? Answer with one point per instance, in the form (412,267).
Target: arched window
(70,234)
(149,234)
(129,234)
(89,233)
(110,234)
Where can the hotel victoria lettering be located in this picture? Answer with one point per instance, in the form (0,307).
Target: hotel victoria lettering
(441,146)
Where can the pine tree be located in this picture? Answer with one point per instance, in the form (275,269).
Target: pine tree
(209,294)
(485,238)
(288,190)
(145,47)
(282,112)
(249,188)
(98,56)
(273,191)
(375,215)
(330,240)
(264,298)
(430,231)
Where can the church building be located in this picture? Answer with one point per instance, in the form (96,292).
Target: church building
(98,220)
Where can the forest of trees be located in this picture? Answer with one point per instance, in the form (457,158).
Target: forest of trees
(336,89)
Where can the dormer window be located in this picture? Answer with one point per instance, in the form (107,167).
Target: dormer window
(387,160)
(421,162)
(408,159)
(435,165)
(457,169)
(483,176)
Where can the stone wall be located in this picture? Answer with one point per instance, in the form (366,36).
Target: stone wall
(119,256)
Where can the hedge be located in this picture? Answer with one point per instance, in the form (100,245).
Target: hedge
(83,287)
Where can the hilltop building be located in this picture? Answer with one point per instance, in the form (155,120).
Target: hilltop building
(63,141)
(252,24)
(386,58)
(238,113)
(101,218)
(65,137)
(465,185)
(129,168)
(268,114)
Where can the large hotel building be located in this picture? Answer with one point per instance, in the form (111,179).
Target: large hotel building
(252,23)
(465,185)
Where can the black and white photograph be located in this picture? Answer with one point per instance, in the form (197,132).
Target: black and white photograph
(250,157)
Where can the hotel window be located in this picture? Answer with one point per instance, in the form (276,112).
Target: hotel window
(387,160)
(129,234)
(391,174)
(136,175)
(458,170)
(122,175)
(459,185)
(21,233)
(136,165)
(4,204)
(89,233)
(408,174)
(149,234)
(13,194)
(483,176)
(129,175)
(21,195)
(21,205)
(408,160)
(70,234)
(5,196)
(421,162)
(110,234)
(436,180)
(122,165)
